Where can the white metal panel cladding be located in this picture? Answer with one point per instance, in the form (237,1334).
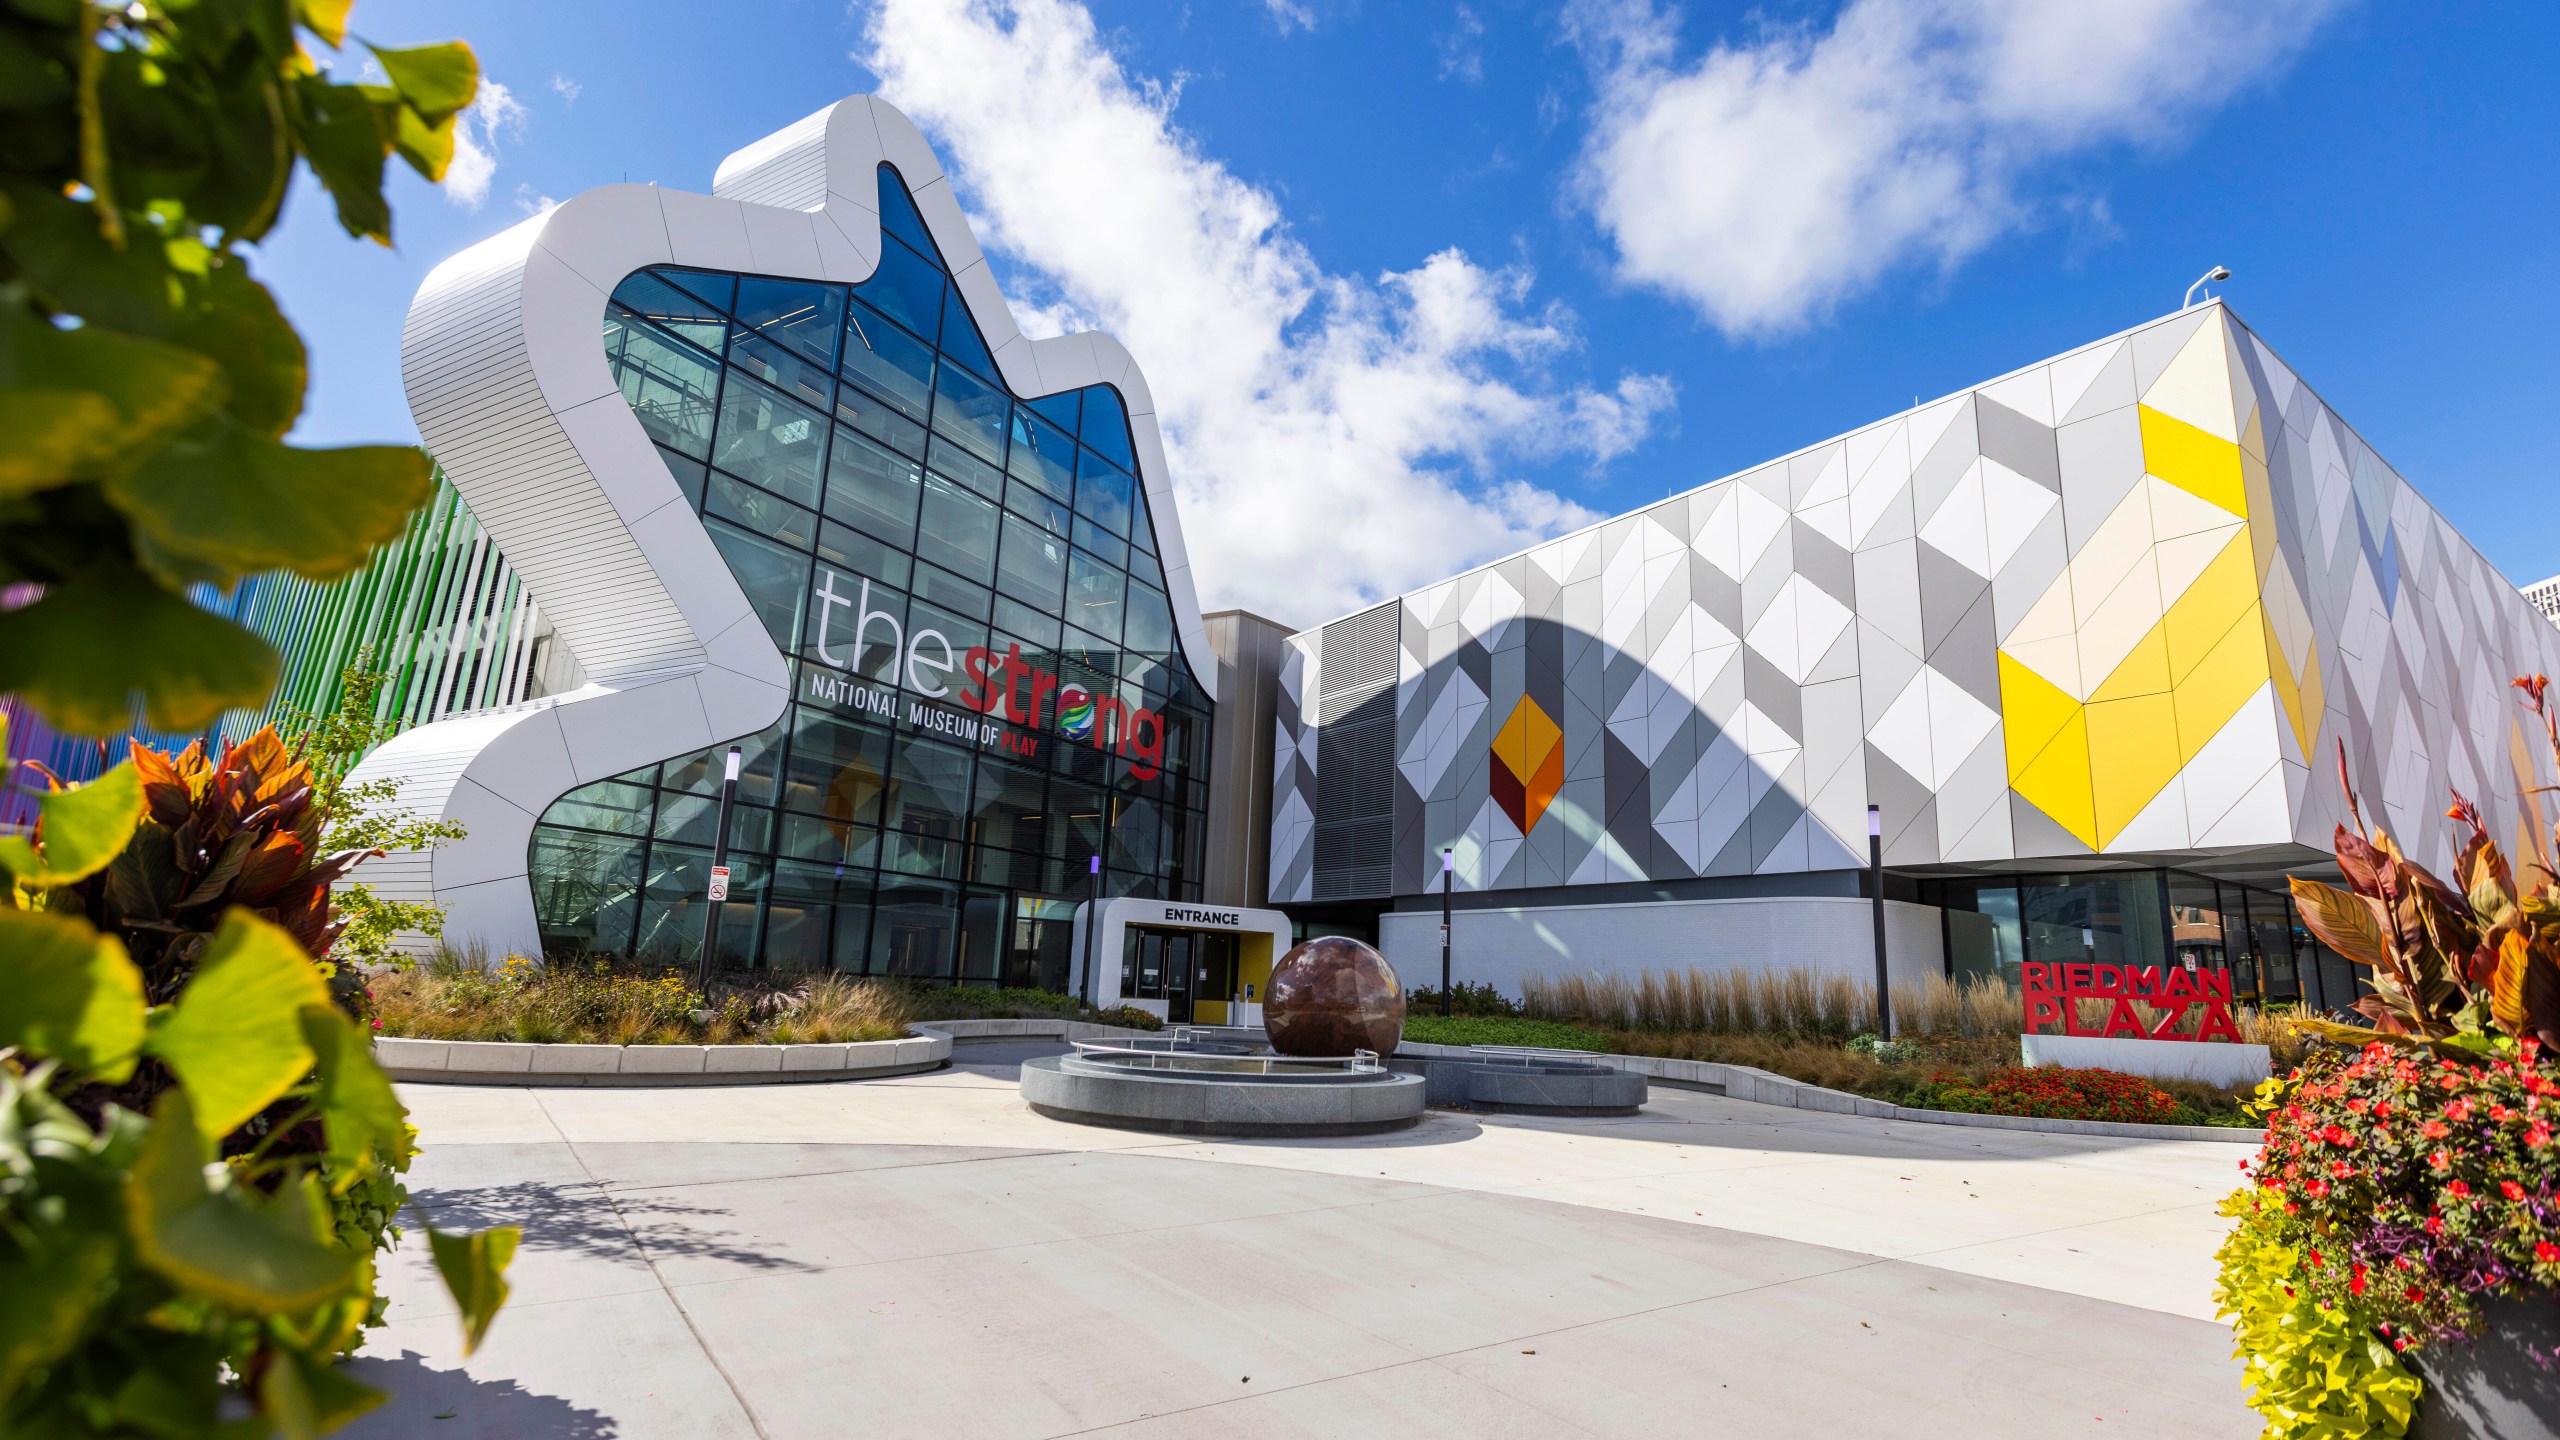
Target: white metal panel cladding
(505,369)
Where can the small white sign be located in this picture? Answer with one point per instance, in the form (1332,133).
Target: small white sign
(719,882)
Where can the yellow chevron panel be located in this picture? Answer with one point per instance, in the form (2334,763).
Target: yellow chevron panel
(2221,683)
(2133,751)
(2203,464)
(2198,619)
(2032,711)
(2056,781)
(2301,699)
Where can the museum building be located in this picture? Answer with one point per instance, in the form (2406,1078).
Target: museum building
(773,468)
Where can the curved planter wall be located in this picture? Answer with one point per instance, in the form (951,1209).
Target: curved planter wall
(492,1062)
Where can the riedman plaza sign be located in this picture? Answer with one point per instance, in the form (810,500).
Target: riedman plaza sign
(1032,701)
(2053,993)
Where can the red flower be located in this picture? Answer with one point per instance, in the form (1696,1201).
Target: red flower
(2459,1189)
(2413,1294)
(2546,1252)
(2440,1160)
(2511,1190)
(2538,1136)
(2341,1169)
(2435,1224)
(2355,1282)
(2434,1130)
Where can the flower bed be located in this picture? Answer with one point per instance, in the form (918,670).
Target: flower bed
(2050,1093)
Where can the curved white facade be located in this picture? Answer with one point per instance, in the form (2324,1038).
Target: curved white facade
(507,377)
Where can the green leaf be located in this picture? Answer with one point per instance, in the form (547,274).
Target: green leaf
(268,1258)
(235,1036)
(239,325)
(79,654)
(51,1293)
(427,148)
(325,18)
(346,135)
(305,1397)
(83,827)
(474,1267)
(239,502)
(53,383)
(364,1119)
(434,80)
(69,993)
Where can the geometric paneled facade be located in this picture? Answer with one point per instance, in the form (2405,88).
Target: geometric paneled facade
(2124,603)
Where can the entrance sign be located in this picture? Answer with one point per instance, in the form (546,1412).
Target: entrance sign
(2053,993)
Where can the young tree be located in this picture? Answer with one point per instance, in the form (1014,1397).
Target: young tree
(361,816)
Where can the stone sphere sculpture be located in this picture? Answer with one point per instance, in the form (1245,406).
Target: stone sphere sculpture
(1331,996)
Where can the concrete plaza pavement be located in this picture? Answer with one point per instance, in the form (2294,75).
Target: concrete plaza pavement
(924,1256)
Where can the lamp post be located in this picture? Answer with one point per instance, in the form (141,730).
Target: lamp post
(2214,276)
(1875,890)
(1092,927)
(719,892)
(1448,868)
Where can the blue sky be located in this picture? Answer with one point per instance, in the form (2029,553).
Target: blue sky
(1418,284)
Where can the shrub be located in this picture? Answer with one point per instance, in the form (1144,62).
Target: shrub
(1500,1030)
(1464,999)
(1128,1017)
(599,1003)
(2051,1093)
(2313,1368)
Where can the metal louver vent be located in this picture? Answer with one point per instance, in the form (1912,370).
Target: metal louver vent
(1355,717)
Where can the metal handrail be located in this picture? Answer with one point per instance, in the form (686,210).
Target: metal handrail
(1358,1062)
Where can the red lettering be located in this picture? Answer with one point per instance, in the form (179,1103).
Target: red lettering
(1107,715)
(2217,984)
(2217,1021)
(2120,1017)
(2169,1023)
(2036,975)
(2042,1009)
(1145,735)
(2145,980)
(2075,978)
(2107,980)
(1013,671)
(2181,982)
(977,694)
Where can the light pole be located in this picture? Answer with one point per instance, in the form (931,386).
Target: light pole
(719,893)
(1875,889)
(1448,868)
(2214,276)
(1092,927)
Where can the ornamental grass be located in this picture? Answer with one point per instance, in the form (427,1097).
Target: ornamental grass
(600,1003)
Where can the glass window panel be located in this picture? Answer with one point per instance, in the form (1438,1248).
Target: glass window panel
(671,909)
(1037,629)
(712,285)
(889,363)
(691,474)
(2111,918)
(1112,549)
(1033,565)
(915,922)
(838,769)
(860,625)
(872,417)
(668,385)
(898,213)
(759,755)
(1042,455)
(828,842)
(907,289)
(1089,660)
(959,630)
(928,789)
(1149,629)
(982,927)
(615,806)
(910,854)
(1075,817)
(765,513)
(1142,530)
(1093,595)
(651,298)
(775,442)
(787,370)
(801,910)
(1102,495)
(806,317)
(865,557)
(961,341)
(1009,805)
(1143,568)
(951,593)
(990,866)
(586,891)
(1037,506)
(952,462)
(872,487)
(958,531)
(854,913)
(1059,410)
(971,412)
(691,819)
(1106,426)
(774,578)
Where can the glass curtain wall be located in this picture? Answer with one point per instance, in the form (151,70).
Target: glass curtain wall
(987,689)
(2140,917)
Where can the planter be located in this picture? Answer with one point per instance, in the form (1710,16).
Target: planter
(2491,1389)
(2214,1062)
(491,1062)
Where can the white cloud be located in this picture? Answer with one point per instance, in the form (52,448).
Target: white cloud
(1769,180)
(1331,437)
(1461,47)
(567,89)
(534,202)
(1290,15)
(494,113)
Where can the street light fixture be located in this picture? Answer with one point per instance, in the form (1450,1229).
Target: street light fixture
(1875,889)
(2214,276)
(1448,870)
(719,889)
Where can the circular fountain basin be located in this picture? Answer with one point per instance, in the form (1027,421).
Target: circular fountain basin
(1220,1085)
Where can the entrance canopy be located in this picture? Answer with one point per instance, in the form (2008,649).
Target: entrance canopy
(1224,954)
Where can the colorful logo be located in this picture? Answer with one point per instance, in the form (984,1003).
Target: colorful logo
(1075,713)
